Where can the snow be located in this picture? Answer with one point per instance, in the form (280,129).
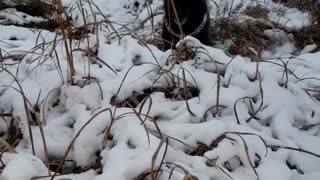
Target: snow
(291,18)
(277,107)
(13,16)
(29,166)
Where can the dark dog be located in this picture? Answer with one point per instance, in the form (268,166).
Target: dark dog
(193,17)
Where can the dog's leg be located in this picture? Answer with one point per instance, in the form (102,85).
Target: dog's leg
(167,38)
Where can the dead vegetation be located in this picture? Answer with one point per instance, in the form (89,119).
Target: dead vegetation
(35,8)
(246,38)
(173,93)
(257,12)
(14,134)
(309,35)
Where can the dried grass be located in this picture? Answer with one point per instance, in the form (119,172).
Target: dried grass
(247,37)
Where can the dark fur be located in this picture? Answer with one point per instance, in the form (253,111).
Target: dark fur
(194,11)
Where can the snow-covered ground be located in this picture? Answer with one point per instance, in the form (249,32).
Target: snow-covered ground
(248,120)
